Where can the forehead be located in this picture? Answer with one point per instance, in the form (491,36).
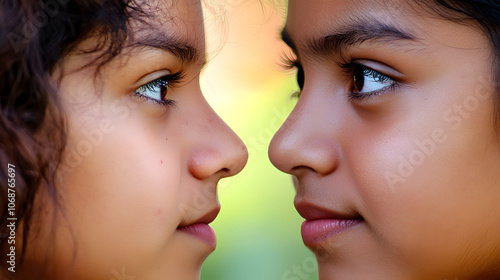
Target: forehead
(182,19)
(329,12)
(308,20)
(156,28)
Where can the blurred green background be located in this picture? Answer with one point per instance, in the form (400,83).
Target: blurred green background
(258,229)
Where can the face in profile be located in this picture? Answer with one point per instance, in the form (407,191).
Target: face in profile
(392,144)
(145,152)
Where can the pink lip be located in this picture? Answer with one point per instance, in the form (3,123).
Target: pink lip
(201,231)
(317,231)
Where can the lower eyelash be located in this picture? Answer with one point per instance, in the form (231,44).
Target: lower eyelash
(295,94)
(348,65)
(357,97)
(166,102)
(169,81)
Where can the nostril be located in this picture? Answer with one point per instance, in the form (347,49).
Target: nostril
(224,170)
(223,173)
(300,171)
(298,168)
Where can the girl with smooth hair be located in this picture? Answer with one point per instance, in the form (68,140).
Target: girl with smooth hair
(393,144)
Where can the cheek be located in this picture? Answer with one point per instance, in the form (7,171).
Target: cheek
(121,193)
(424,176)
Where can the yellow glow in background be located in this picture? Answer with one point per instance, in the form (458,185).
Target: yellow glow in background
(258,229)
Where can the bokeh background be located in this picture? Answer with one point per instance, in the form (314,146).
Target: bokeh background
(258,229)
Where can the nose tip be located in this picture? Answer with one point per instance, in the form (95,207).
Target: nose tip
(238,157)
(280,150)
(221,153)
(300,145)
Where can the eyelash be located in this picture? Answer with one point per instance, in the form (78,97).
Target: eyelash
(289,63)
(348,66)
(167,81)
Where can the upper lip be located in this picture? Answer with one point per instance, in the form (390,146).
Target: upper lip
(207,218)
(311,212)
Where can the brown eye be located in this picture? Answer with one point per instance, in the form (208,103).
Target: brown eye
(163,89)
(368,81)
(359,78)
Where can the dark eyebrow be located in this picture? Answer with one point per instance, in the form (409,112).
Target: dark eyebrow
(185,52)
(352,34)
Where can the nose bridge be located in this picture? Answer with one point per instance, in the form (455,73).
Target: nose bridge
(309,137)
(216,148)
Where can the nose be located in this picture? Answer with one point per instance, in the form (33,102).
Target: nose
(307,140)
(217,152)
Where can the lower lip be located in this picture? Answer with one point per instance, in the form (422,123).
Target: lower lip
(201,231)
(317,231)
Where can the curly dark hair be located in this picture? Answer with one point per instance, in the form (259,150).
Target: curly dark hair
(35,36)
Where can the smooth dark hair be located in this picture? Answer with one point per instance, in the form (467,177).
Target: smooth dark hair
(485,14)
(35,36)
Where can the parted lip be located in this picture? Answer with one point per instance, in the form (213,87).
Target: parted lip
(311,212)
(207,218)
(322,224)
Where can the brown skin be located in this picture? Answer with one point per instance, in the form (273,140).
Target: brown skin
(441,219)
(153,169)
